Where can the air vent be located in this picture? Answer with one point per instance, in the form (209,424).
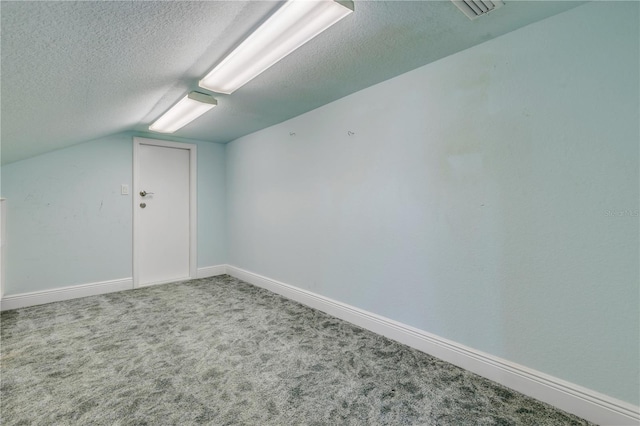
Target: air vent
(476,8)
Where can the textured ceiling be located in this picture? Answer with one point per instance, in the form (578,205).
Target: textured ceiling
(76,71)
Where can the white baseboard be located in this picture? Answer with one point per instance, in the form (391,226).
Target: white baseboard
(211,271)
(73,292)
(64,293)
(586,403)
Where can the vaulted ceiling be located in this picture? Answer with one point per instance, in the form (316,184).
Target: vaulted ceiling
(76,71)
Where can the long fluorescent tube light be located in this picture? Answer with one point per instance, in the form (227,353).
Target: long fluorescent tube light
(291,26)
(184,112)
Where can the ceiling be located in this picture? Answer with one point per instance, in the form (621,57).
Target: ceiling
(77,71)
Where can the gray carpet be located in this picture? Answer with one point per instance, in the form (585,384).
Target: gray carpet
(220,351)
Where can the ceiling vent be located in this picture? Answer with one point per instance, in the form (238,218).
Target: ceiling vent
(476,8)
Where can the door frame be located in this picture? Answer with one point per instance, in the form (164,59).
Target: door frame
(193,205)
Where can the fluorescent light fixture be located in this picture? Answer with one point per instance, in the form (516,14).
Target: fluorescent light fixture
(291,26)
(184,112)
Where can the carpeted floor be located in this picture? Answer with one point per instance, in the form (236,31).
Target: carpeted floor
(220,351)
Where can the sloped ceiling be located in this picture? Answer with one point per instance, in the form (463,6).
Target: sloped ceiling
(76,71)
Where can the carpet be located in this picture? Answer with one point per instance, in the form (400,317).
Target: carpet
(220,351)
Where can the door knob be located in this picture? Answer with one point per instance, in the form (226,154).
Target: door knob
(143,205)
(145,193)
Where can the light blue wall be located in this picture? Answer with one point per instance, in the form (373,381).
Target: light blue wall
(490,198)
(68,224)
(212,229)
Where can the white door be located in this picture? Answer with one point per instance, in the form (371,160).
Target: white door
(164,211)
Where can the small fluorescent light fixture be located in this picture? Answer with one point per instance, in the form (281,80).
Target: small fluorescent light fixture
(291,26)
(184,112)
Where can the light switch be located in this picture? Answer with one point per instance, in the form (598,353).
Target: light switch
(124,189)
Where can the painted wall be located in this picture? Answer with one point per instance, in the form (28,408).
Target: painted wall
(212,212)
(490,198)
(68,224)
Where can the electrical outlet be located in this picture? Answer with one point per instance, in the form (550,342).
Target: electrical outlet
(124,189)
